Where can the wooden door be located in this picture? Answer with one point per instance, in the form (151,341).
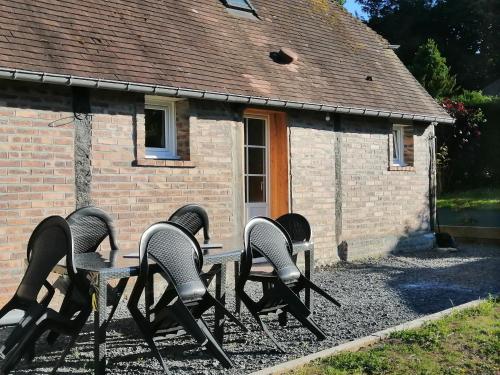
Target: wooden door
(278,161)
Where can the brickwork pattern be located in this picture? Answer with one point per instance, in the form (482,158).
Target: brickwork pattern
(382,210)
(36,169)
(140,195)
(381,204)
(313,179)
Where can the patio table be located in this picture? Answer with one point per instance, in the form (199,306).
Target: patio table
(101,271)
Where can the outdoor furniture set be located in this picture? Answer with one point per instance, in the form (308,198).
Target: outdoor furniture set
(168,249)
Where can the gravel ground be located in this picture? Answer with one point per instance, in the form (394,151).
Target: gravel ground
(375,294)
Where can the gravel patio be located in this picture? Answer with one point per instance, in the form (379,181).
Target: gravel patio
(375,294)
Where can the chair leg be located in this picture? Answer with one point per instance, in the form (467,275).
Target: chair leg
(283,319)
(67,310)
(297,308)
(213,346)
(309,284)
(231,317)
(30,353)
(119,292)
(29,320)
(164,300)
(252,308)
(65,353)
(26,344)
(307,322)
(147,334)
(268,332)
(199,330)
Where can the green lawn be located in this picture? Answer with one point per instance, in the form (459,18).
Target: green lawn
(484,198)
(467,342)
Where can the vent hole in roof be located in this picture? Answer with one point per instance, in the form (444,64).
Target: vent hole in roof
(284,56)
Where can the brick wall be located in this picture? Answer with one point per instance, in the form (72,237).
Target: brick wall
(36,169)
(139,193)
(313,178)
(382,210)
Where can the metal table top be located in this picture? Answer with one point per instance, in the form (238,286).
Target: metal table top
(126,265)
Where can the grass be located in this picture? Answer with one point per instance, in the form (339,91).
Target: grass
(483,198)
(466,342)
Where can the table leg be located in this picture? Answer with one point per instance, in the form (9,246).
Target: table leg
(149,295)
(236,296)
(309,271)
(220,294)
(100,319)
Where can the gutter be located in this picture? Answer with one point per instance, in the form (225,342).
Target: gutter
(95,83)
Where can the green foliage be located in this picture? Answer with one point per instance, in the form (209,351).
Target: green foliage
(341,2)
(427,337)
(481,198)
(467,341)
(466,31)
(373,362)
(430,69)
(458,147)
(475,98)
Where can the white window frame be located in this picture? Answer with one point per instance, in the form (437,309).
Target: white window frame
(398,145)
(168,106)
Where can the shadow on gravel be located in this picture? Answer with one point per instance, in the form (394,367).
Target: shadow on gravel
(453,278)
(375,294)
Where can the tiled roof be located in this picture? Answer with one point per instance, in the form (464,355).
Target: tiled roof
(197,44)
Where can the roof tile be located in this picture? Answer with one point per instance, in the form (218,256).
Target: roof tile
(198,45)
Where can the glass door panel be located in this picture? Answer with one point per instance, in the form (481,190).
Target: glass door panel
(256,161)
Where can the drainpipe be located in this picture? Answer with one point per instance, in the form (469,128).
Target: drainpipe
(432,177)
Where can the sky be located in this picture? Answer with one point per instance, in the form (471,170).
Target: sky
(352,6)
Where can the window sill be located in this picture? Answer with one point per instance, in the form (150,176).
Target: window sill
(397,168)
(164,163)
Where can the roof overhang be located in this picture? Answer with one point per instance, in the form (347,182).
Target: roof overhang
(96,83)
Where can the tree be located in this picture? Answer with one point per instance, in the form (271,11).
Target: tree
(458,146)
(430,69)
(466,31)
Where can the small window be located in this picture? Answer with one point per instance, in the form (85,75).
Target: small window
(402,146)
(160,129)
(397,146)
(240,5)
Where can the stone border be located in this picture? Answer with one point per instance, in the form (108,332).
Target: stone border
(363,342)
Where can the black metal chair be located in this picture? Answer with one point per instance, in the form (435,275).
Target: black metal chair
(57,239)
(179,258)
(267,238)
(90,226)
(45,250)
(299,230)
(297,227)
(193,217)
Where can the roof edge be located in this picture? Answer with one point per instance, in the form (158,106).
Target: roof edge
(97,83)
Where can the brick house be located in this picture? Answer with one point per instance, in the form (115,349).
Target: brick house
(141,106)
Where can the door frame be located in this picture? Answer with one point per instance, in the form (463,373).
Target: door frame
(267,120)
(278,160)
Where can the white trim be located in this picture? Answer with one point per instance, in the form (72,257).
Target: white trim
(70,80)
(170,149)
(398,145)
(266,175)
